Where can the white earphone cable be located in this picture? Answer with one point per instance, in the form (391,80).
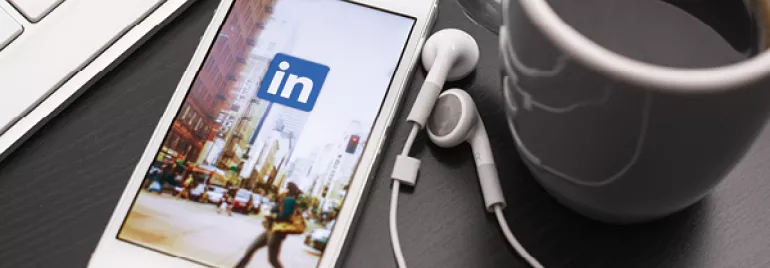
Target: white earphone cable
(512,239)
(410,139)
(394,240)
(394,227)
(406,168)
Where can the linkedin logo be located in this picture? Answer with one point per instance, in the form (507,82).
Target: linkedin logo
(293,82)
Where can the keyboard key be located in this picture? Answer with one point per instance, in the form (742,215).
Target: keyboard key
(67,40)
(9,29)
(35,10)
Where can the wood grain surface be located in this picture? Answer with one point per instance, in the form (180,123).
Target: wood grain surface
(58,190)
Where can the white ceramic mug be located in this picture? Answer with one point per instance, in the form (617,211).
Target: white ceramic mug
(617,139)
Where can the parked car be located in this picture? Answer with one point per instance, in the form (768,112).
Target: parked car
(256,202)
(213,194)
(242,201)
(267,205)
(318,238)
(195,193)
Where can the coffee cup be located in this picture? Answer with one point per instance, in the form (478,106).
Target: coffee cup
(623,125)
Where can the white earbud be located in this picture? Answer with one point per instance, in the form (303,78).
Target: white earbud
(449,54)
(455,120)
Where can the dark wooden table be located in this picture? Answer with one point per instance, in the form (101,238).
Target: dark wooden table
(58,190)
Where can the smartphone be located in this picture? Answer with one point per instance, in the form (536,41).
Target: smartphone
(266,149)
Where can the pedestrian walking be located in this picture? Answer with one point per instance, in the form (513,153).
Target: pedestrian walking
(153,180)
(187,186)
(285,219)
(226,204)
(167,174)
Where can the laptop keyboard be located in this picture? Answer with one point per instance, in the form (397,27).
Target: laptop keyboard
(9,29)
(34,10)
(56,41)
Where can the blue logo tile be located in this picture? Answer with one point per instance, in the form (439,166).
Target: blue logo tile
(293,82)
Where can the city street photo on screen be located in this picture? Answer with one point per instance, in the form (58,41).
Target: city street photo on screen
(258,160)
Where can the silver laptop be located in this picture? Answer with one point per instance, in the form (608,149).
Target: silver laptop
(52,50)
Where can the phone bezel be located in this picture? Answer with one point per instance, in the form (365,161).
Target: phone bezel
(113,252)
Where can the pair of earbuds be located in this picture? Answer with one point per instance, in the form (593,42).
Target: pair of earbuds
(451,118)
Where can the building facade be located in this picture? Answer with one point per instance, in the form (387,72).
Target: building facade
(199,120)
(246,113)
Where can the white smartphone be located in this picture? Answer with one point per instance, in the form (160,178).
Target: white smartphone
(266,149)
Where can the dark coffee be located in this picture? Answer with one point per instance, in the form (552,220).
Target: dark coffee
(674,33)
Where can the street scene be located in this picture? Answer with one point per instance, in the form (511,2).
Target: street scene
(236,170)
(201,232)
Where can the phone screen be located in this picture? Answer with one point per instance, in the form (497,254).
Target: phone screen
(258,160)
